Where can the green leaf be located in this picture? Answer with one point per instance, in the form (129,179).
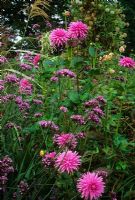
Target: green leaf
(76,60)
(92,51)
(74,97)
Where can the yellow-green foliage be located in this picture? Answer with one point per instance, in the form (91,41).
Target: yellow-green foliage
(38,8)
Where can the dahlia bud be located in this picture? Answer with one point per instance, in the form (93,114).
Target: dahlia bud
(67,13)
(111,71)
(121,49)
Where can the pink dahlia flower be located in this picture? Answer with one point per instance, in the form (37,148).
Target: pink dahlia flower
(67,161)
(127,62)
(65,140)
(91,186)
(58,37)
(77,30)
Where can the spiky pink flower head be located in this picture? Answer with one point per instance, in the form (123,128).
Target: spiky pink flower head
(77,30)
(91,186)
(36,59)
(65,140)
(127,62)
(68,161)
(58,37)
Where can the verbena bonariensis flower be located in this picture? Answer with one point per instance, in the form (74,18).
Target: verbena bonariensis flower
(127,62)
(25,86)
(23,187)
(38,115)
(101,99)
(10,125)
(7,98)
(48,124)
(91,186)
(35,26)
(23,105)
(113,195)
(93,117)
(65,140)
(91,103)
(2,85)
(103,173)
(97,110)
(11,78)
(80,135)
(25,66)
(6,167)
(58,37)
(37,101)
(65,72)
(3,59)
(78,119)
(49,159)
(54,79)
(77,30)
(67,161)
(63,109)
(36,59)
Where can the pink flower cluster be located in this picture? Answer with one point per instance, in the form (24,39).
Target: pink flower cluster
(6,167)
(76,30)
(78,119)
(127,62)
(63,73)
(7,98)
(36,59)
(63,109)
(3,59)
(11,78)
(49,159)
(49,124)
(37,101)
(22,189)
(2,85)
(95,113)
(67,161)
(25,66)
(23,105)
(25,87)
(65,140)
